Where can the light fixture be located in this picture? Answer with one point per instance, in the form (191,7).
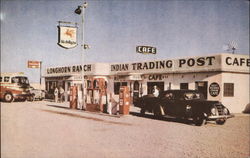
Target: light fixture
(78,10)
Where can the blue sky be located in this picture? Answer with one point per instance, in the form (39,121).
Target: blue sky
(113,29)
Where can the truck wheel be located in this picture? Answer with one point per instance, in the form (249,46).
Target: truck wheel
(31,98)
(8,97)
(220,121)
(23,100)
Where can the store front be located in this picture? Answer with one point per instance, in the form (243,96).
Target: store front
(223,77)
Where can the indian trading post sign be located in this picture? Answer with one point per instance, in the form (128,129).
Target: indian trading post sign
(146,49)
(33,64)
(67,36)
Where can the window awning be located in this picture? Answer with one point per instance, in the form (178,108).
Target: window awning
(130,76)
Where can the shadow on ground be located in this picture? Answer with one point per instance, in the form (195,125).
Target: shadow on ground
(85,117)
(58,106)
(166,118)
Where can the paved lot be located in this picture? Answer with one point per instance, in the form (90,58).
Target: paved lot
(36,130)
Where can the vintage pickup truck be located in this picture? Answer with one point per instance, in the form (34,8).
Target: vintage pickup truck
(186,104)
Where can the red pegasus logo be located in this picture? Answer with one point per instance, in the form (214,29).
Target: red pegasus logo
(69,33)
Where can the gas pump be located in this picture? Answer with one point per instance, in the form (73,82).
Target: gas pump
(124,100)
(96,94)
(73,97)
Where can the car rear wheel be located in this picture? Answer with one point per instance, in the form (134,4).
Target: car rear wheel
(142,111)
(158,111)
(8,97)
(220,121)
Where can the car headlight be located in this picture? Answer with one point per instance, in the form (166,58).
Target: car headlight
(225,111)
(213,111)
(188,107)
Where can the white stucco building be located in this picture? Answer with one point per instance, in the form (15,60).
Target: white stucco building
(224,77)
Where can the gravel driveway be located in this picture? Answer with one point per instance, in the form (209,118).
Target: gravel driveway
(36,130)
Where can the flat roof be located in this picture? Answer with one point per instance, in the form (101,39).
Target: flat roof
(223,62)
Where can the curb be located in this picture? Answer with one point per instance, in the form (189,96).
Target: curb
(62,106)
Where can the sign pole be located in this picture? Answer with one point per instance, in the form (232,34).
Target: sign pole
(81,10)
(36,64)
(83,82)
(40,74)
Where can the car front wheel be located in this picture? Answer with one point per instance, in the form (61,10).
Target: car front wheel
(220,121)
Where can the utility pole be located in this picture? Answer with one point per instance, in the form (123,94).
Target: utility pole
(81,10)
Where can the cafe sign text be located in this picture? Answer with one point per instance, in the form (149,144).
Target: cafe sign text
(146,49)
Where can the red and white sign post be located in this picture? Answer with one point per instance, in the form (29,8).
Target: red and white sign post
(36,64)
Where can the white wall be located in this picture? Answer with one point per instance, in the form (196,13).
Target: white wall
(238,102)
(235,104)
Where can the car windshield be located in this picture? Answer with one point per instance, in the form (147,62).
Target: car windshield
(20,80)
(192,96)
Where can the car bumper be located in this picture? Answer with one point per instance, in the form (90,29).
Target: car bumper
(220,117)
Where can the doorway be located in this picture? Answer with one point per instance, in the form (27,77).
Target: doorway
(136,91)
(201,86)
(151,85)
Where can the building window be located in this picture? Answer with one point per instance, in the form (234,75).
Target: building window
(169,85)
(96,84)
(136,85)
(117,86)
(0,79)
(183,85)
(228,89)
(89,84)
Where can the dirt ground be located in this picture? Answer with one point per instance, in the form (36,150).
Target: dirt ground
(39,130)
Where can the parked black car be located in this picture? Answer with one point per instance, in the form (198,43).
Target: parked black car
(186,104)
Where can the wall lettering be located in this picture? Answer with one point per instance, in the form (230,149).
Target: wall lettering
(68,69)
(199,61)
(237,61)
(119,67)
(155,77)
(152,65)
